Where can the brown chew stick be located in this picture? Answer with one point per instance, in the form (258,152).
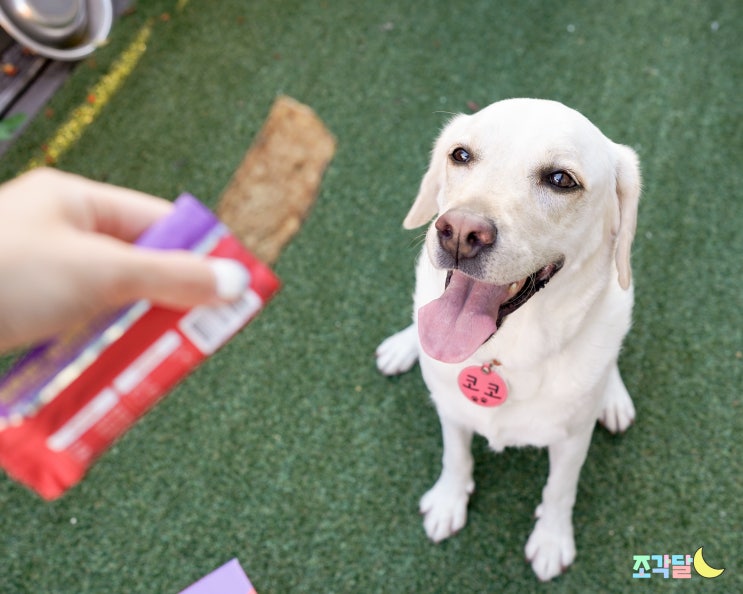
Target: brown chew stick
(272,190)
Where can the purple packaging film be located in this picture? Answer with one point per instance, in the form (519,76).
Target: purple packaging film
(184,228)
(228,579)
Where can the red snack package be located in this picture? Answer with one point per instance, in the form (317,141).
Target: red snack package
(67,401)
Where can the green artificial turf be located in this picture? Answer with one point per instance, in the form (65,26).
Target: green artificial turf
(287,449)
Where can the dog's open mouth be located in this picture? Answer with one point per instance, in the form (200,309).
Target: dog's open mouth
(455,325)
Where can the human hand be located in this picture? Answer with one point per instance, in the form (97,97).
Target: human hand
(66,255)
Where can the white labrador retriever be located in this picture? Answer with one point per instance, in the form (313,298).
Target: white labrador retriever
(523,297)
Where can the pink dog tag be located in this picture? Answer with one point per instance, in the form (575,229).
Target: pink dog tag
(482,385)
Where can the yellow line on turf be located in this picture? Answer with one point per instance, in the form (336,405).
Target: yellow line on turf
(97,98)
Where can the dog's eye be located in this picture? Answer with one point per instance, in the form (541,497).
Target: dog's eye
(562,180)
(460,155)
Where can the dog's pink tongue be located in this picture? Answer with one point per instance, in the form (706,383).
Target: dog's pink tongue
(455,325)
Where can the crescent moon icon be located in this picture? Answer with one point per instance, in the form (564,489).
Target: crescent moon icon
(701,567)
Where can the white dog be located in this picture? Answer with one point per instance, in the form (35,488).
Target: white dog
(523,297)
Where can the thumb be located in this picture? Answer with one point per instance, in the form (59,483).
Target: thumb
(177,279)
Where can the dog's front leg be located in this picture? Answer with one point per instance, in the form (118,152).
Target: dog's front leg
(445,506)
(551,547)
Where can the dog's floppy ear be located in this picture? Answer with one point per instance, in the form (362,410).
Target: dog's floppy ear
(425,205)
(628,194)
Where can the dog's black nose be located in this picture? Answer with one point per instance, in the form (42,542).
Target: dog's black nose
(463,234)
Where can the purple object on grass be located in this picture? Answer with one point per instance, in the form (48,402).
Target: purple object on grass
(228,579)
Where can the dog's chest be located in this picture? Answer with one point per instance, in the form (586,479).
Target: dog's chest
(533,412)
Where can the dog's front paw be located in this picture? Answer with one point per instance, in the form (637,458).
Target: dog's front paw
(550,550)
(444,508)
(398,353)
(619,411)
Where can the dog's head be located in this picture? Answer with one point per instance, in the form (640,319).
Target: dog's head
(520,190)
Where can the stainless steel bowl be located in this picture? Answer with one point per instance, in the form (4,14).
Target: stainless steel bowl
(58,29)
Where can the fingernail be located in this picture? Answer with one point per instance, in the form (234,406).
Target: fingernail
(232,278)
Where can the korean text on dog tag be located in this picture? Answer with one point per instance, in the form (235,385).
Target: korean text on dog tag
(483,386)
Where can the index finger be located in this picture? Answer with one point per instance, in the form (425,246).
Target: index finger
(104,208)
